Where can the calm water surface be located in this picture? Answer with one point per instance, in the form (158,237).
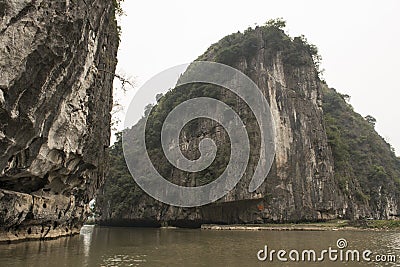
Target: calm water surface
(101,246)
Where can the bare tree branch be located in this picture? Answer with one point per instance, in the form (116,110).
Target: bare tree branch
(122,78)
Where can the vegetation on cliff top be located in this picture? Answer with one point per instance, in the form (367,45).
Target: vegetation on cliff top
(365,164)
(236,46)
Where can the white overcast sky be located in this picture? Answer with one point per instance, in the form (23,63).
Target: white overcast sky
(359,42)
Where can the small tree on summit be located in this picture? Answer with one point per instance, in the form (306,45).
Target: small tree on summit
(279,23)
(371,120)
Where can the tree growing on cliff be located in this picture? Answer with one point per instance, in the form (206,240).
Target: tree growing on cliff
(371,120)
(279,23)
(118,9)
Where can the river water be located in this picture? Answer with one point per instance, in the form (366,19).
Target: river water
(103,246)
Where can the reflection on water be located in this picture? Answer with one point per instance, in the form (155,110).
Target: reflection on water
(86,235)
(101,246)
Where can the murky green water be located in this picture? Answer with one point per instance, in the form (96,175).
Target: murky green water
(99,246)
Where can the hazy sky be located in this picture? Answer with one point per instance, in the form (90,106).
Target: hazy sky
(359,42)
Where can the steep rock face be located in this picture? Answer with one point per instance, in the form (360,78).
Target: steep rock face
(301,184)
(330,162)
(57,60)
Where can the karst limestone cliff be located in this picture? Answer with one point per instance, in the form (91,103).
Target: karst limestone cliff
(57,60)
(330,162)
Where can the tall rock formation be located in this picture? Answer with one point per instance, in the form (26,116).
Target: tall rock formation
(301,184)
(57,60)
(329,163)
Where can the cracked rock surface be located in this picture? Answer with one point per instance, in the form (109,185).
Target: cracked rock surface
(56,65)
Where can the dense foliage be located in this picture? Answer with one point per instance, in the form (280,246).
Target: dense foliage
(234,47)
(365,164)
(119,191)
